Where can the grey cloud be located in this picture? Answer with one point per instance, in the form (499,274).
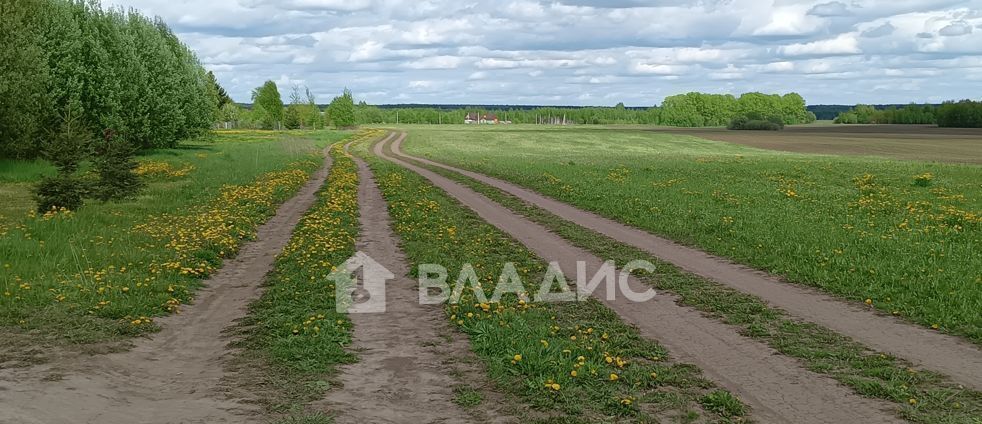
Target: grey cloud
(830,9)
(956,29)
(880,31)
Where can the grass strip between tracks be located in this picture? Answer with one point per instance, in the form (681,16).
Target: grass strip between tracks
(294,338)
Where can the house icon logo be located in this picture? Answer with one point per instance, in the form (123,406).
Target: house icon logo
(359,285)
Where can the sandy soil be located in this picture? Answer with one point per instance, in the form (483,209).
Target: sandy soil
(776,387)
(174,376)
(403,373)
(909,142)
(926,348)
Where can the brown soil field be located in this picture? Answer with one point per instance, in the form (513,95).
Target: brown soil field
(909,142)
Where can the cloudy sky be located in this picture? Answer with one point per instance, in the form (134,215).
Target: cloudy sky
(585,52)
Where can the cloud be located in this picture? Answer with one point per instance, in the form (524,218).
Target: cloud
(956,29)
(585,51)
(830,9)
(880,31)
(841,45)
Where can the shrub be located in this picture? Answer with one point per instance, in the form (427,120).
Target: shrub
(60,191)
(755,122)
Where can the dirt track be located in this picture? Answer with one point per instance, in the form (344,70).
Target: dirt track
(402,374)
(959,359)
(775,386)
(174,376)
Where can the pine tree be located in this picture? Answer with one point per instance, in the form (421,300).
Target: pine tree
(114,163)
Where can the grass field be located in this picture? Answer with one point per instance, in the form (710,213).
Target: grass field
(107,269)
(871,374)
(902,236)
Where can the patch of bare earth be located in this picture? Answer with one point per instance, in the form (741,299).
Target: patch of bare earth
(404,373)
(174,376)
(908,142)
(776,387)
(950,355)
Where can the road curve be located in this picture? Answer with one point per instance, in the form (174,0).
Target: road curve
(777,387)
(950,355)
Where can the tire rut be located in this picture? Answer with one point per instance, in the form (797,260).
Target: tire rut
(174,376)
(401,375)
(928,349)
(776,387)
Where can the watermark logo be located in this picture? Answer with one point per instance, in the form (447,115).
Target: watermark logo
(367,293)
(363,295)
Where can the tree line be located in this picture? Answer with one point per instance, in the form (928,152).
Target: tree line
(109,70)
(964,114)
(269,112)
(685,110)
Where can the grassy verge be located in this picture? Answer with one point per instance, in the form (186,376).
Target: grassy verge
(102,273)
(570,362)
(920,396)
(903,234)
(293,337)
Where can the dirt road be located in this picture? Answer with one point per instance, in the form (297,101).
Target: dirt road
(174,376)
(403,369)
(929,349)
(775,386)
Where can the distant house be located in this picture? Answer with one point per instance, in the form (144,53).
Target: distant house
(476,118)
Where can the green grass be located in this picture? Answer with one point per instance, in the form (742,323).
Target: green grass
(531,349)
(914,251)
(293,337)
(872,374)
(104,271)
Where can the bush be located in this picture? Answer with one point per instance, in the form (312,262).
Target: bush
(755,122)
(114,163)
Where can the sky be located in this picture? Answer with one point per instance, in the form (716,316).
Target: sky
(585,52)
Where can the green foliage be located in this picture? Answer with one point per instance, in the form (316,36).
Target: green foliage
(23,76)
(267,106)
(341,111)
(963,114)
(867,114)
(114,163)
(754,122)
(60,191)
(65,149)
(119,70)
(223,97)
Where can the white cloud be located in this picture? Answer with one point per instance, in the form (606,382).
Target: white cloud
(843,44)
(585,51)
